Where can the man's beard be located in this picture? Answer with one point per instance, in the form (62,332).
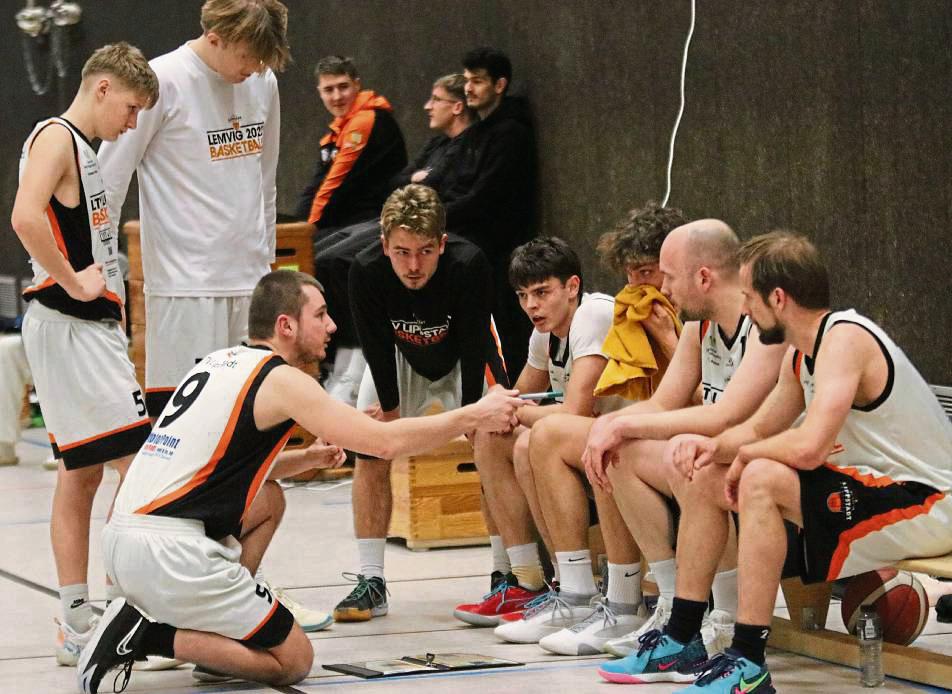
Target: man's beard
(775,335)
(693,314)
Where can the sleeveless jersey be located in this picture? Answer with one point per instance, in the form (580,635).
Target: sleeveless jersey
(84,235)
(721,356)
(205,459)
(903,435)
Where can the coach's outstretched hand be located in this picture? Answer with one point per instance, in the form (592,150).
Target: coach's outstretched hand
(496,411)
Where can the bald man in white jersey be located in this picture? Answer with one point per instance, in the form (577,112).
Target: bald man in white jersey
(866,475)
(200,481)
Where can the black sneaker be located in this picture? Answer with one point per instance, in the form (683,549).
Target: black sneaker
(114,645)
(368,599)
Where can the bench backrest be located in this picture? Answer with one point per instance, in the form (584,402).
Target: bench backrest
(944,395)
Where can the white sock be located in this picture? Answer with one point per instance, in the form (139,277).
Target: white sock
(575,568)
(370,552)
(556,576)
(664,576)
(725,592)
(526,566)
(500,556)
(624,584)
(76,608)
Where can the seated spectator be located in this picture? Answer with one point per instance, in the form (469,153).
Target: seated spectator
(436,165)
(361,152)
(491,203)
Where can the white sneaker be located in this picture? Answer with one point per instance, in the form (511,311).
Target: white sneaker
(205,675)
(310,620)
(588,636)
(155,663)
(627,644)
(717,631)
(545,615)
(70,643)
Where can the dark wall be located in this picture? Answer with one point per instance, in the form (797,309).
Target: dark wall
(829,117)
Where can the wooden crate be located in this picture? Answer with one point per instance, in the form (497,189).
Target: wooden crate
(436,498)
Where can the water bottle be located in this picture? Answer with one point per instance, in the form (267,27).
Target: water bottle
(869,631)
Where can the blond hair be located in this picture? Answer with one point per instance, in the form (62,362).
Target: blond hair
(416,208)
(127,64)
(261,24)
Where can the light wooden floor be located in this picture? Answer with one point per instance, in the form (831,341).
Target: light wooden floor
(308,555)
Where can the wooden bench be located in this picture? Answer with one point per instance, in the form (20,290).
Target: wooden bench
(804,631)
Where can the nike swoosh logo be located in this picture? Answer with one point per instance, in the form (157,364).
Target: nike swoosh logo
(634,574)
(742,687)
(667,666)
(579,559)
(122,648)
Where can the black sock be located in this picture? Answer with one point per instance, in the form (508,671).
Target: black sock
(158,639)
(750,640)
(685,620)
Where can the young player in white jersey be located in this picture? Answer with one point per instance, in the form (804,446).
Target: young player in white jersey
(200,481)
(72,332)
(866,474)
(631,248)
(205,158)
(565,357)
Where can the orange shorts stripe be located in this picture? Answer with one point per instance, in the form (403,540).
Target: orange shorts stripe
(76,444)
(263,621)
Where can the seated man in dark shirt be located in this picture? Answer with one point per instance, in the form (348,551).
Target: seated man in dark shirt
(421,304)
(492,202)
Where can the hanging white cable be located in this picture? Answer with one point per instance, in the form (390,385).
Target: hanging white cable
(677,121)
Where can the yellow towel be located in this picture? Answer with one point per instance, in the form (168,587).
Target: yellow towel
(634,363)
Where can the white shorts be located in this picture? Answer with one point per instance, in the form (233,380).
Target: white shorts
(417,392)
(86,385)
(180,331)
(170,569)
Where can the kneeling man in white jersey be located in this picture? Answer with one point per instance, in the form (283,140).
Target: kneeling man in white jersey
(866,475)
(192,489)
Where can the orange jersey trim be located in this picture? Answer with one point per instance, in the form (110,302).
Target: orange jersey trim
(797,363)
(160,390)
(357,134)
(705,326)
(98,437)
(264,621)
(259,477)
(875,523)
(202,475)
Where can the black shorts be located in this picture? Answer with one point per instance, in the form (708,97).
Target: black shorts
(840,508)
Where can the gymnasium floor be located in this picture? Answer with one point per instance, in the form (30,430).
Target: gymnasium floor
(309,552)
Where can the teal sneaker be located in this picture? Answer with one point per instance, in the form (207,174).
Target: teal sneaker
(731,673)
(659,658)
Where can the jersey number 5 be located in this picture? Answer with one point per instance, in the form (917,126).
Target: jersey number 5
(185,396)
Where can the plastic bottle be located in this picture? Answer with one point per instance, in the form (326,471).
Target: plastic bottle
(869,632)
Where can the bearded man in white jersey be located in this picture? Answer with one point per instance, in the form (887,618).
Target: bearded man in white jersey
(866,475)
(200,481)
(72,333)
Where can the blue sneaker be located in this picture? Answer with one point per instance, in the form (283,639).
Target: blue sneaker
(731,673)
(659,658)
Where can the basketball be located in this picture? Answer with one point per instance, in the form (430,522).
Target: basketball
(897,596)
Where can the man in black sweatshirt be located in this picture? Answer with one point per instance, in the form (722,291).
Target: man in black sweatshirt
(421,303)
(492,203)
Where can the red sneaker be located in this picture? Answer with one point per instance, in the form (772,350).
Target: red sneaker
(508,599)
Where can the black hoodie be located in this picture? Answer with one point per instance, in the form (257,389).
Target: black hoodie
(492,202)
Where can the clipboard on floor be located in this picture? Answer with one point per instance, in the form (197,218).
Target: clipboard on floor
(425,664)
